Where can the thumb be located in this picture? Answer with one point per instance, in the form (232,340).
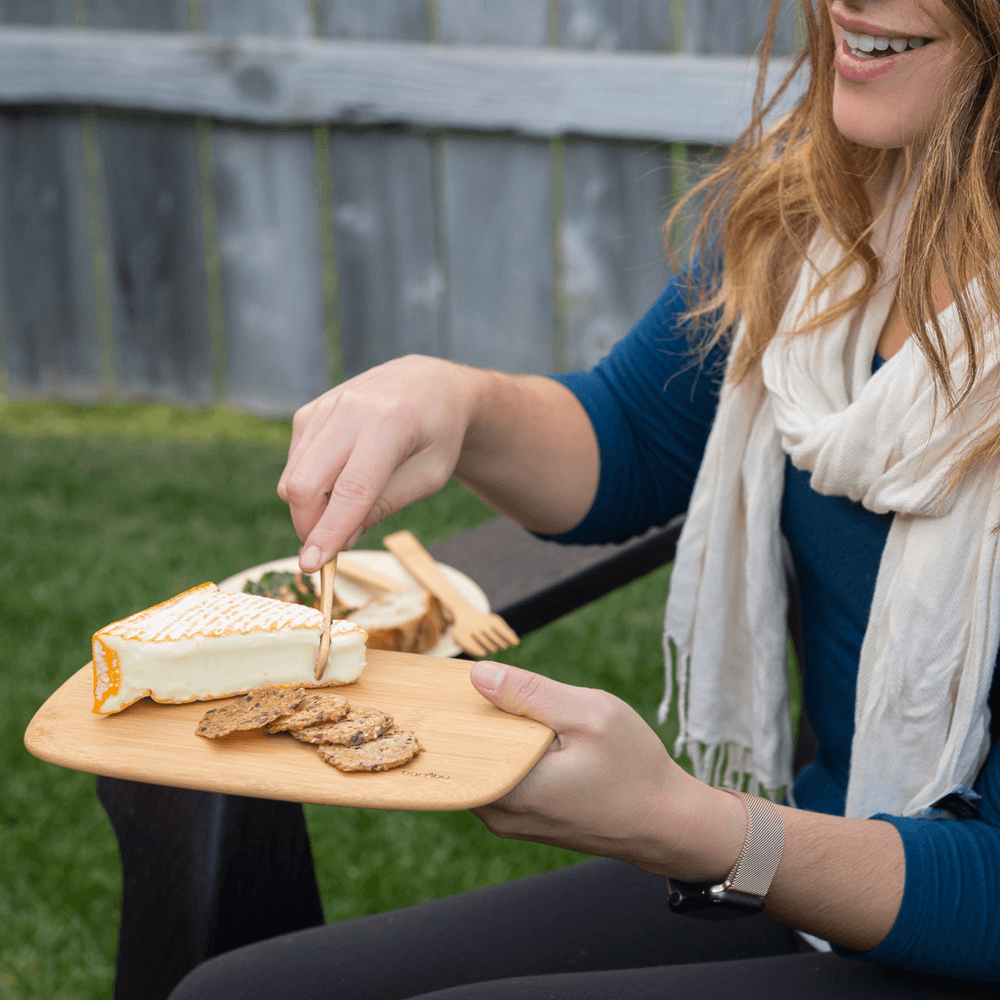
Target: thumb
(532,695)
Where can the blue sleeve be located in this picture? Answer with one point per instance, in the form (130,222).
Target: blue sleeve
(652,401)
(949,920)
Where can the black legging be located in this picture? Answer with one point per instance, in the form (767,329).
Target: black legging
(596,930)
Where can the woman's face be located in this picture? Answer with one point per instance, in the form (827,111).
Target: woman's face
(892,61)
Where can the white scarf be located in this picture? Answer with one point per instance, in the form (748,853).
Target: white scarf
(921,720)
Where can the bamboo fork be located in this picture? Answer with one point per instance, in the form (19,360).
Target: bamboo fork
(327,575)
(479,634)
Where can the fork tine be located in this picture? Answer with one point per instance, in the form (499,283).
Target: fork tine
(502,628)
(488,641)
(497,636)
(471,643)
(507,632)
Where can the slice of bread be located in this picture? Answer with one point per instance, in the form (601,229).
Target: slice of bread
(407,622)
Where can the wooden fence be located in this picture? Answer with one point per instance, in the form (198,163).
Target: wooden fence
(240,202)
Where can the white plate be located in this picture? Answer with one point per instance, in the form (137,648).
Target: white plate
(353,595)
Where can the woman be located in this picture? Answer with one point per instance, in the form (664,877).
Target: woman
(858,416)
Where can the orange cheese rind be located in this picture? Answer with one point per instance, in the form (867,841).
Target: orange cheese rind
(188,649)
(207,611)
(187,701)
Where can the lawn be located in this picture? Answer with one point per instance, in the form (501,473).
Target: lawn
(108,510)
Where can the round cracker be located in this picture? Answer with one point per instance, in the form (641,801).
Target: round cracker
(311,711)
(359,726)
(253,711)
(389,751)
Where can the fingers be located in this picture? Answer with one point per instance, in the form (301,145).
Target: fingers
(365,449)
(355,501)
(561,707)
(370,488)
(327,434)
(335,481)
(305,426)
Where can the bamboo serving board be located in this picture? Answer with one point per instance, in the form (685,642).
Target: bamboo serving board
(473,752)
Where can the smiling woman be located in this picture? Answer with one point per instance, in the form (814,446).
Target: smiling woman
(843,291)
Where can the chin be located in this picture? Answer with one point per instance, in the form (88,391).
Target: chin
(876,123)
(864,135)
(867,127)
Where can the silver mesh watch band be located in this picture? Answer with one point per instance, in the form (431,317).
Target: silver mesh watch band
(758,861)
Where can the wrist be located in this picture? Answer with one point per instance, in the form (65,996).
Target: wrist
(489,400)
(712,836)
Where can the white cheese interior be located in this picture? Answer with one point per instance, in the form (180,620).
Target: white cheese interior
(217,666)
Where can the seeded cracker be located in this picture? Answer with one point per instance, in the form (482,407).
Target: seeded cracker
(359,726)
(389,751)
(253,711)
(312,710)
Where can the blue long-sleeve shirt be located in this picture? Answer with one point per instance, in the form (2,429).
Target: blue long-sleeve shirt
(652,403)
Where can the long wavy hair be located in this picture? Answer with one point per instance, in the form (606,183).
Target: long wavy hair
(761,206)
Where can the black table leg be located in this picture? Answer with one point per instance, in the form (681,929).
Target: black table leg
(203,873)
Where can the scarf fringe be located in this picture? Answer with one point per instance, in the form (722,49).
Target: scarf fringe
(729,765)
(725,765)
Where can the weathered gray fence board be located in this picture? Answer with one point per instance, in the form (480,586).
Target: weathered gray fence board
(403,20)
(735,27)
(275,18)
(153,224)
(616,25)
(615,261)
(265,198)
(47,306)
(497,215)
(294,81)
(616,196)
(493,22)
(497,212)
(390,283)
(47,313)
(36,12)
(442,180)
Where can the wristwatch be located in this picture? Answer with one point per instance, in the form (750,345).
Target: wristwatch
(742,892)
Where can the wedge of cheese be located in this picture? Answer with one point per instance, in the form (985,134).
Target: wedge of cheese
(206,644)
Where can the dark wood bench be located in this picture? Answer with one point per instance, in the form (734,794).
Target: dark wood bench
(204,872)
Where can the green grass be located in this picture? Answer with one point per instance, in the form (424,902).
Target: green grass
(107,510)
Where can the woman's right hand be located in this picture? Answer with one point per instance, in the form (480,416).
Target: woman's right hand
(372,445)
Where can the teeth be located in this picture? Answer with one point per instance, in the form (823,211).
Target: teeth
(864,45)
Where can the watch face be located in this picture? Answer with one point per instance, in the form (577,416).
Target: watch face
(713,902)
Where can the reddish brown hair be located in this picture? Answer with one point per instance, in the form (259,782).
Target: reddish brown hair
(761,206)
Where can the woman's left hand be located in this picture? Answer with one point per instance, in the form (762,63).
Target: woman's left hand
(607,785)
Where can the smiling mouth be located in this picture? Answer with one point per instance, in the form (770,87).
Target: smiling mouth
(863,46)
